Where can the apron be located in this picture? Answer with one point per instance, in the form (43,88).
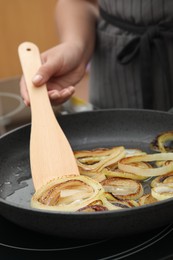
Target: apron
(132,66)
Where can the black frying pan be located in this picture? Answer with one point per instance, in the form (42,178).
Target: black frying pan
(105,128)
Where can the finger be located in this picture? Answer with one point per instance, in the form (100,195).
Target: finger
(42,76)
(24,91)
(59,97)
(44,73)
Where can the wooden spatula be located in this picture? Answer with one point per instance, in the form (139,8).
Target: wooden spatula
(51,155)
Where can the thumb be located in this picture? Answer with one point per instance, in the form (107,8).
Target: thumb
(42,75)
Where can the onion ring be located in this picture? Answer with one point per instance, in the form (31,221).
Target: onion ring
(162,192)
(162,180)
(124,164)
(147,199)
(118,173)
(158,144)
(119,202)
(112,156)
(123,188)
(67,194)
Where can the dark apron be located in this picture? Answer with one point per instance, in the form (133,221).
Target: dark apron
(147,40)
(147,44)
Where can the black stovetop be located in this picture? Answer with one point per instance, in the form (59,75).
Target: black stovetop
(20,243)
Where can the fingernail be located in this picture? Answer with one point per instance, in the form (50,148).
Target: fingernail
(37,78)
(68,90)
(54,94)
(71,88)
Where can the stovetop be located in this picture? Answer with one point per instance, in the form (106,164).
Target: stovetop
(20,243)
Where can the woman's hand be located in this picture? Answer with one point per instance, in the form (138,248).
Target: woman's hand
(63,67)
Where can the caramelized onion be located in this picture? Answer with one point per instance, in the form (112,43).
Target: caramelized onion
(147,199)
(125,164)
(162,192)
(159,143)
(67,194)
(108,204)
(162,186)
(118,173)
(98,176)
(123,188)
(110,180)
(111,156)
(119,202)
(162,180)
(94,206)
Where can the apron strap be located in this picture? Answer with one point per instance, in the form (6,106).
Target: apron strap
(145,38)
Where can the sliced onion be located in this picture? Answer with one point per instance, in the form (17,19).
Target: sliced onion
(115,154)
(123,188)
(109,205)
(147,199)
(162,192)
(99,152)
(93,156)
(93,208)
(125,164)
(109,180)
(118,173)
(119,202)
(163,179)
(98,176)
(96,205)
(158,144)
(67,194)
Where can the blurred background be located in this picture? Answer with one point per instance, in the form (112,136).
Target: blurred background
(23,20)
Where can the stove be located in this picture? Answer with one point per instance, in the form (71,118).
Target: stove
(20,243)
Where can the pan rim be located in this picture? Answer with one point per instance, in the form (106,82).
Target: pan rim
(133,110)
(65,213)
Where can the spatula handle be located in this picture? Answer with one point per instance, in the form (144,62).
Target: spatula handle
(30,61)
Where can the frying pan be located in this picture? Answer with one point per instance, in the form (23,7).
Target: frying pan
(85,130)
